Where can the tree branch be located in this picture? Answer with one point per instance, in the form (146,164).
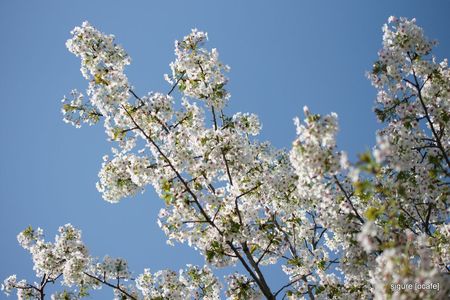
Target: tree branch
(358,216)
(117,287)
(258,278)
(427,115)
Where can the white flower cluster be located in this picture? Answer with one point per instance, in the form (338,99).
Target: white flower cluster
(381,210)
(313,151)
(159,105)
(68,259)
(124,175)
(247,123)
(402,39)
(66,255)
(113,268)
(238,200)
(397,276)
(102,62)
(199,71)
(184,285)
(325,186)
(23,291)
(366,236)
(240,287)
(412,154)
(64,295)
(77,112)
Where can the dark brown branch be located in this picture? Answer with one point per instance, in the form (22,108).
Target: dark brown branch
(295,281)
(286,237)
(287,285)
(178,175)
(142,103)
(265,251)
(227,167)
(306,246)
(264,289)
(175,85)
(427,115)
(217,212)
(117,287)
(194,221)
(261,280)
(249,191)
(320,236)
(258,278)
(179,122)
(358,216)
(427,219)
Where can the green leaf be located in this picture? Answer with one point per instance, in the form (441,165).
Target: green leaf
(445,117)
(197,186)
(121,182)
(372,213)
(365,157)
(28,232)
(168,198)
(320,289)
(166,185)
(99,80)
(321,265)
(363,189)
(381,114)
(68,108)
(118,134)
(378,67)
(296,261)
(94,116)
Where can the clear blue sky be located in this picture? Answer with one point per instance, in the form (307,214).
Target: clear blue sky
(282,54)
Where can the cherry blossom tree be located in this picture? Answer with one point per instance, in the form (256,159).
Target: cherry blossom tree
(338,230)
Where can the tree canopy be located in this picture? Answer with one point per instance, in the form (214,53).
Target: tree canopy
(375,228)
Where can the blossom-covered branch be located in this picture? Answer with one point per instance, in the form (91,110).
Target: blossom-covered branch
(338,230)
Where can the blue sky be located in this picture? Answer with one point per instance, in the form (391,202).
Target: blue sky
(283,55)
